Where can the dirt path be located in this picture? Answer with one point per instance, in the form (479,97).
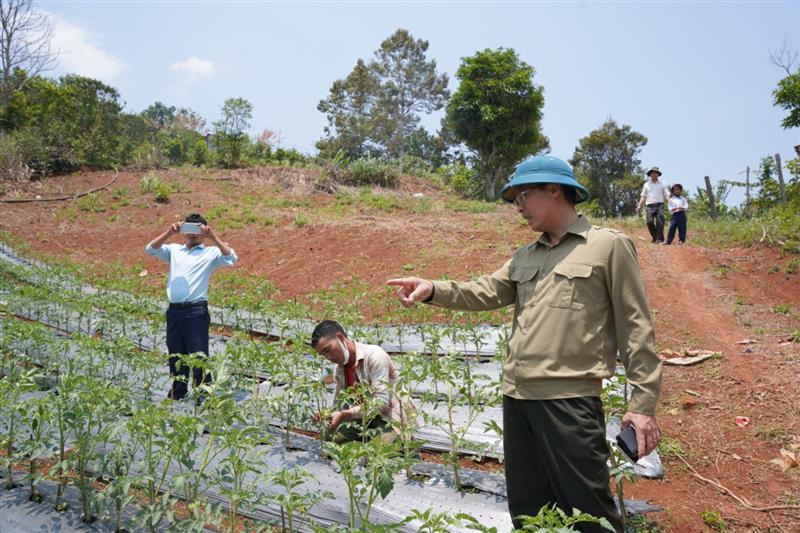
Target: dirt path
(695,307)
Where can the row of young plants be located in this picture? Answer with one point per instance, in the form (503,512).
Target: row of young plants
(293,392)
(96,420)
(139,315)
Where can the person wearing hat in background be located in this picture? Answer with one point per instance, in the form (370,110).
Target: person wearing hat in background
(579,300)
(677,208)
(654,195)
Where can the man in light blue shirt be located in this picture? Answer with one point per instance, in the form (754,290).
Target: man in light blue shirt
(190,267)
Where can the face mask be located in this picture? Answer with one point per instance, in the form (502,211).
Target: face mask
(345,351)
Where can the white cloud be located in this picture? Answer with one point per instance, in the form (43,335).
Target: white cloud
(80,52)
(194,68)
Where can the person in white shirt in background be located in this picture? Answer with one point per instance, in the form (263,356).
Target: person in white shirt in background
(654,195)
(677,208)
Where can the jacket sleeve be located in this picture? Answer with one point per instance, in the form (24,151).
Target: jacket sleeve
(634,326)
(485,293)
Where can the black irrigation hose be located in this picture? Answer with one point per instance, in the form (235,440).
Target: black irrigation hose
(61,198)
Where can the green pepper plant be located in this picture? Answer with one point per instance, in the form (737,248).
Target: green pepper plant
(40,441)
(295,504)
(16,382)
(615,405)
(93,406)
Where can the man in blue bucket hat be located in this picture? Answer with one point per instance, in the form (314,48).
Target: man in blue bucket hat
(579,300)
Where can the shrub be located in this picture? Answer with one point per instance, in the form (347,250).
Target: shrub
(416,166)
(372,171)
(198,153)
(148,155)
(148,183)
(461,179)
(161,191)
(13,164)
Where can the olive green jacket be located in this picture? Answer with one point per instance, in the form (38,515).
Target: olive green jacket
(576,305)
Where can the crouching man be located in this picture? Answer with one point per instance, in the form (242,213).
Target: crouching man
(371,369)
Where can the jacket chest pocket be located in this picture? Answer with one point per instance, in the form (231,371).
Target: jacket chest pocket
(525,278)
(570,282)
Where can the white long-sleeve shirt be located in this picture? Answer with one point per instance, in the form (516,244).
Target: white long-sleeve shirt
(677,203)
(655,192)
(190,269)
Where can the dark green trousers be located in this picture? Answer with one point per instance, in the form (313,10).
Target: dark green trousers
(556,453)
(352,431)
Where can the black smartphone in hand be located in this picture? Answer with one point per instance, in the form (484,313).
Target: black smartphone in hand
(626,440)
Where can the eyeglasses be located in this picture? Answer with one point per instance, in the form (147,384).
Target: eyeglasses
(522,195)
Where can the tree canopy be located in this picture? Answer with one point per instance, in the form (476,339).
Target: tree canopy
(496,112)
(607,163)
(787,97)
(375,109)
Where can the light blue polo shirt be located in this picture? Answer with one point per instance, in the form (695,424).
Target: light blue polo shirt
(190,269)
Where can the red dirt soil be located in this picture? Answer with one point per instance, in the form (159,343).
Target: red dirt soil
(701,298)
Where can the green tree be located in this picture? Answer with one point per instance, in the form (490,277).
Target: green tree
(606,162)
(496,112)
(787,97)
(230,134)
(787,94)
(409,86)
(68,123)
(769,191)
(349,110)
(160,115)
(427,147)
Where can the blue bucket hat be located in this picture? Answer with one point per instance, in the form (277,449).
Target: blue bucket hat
(543,169)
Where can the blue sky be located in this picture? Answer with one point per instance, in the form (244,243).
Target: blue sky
(694,77)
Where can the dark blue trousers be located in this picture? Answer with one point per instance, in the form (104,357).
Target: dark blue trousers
(187,333)
(678,222)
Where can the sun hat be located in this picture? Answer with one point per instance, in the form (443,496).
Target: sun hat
(653,169)
(543,169)
(676,185)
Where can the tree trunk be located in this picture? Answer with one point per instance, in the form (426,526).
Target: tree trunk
(780,178)
(711,205)
(489,183)
(747,192)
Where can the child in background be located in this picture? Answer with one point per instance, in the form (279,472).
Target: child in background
(677,208)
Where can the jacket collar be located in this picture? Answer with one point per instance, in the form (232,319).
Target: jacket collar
(580,228)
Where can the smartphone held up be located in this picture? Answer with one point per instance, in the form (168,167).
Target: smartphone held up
(191,228)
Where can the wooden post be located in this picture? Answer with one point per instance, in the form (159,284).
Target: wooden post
(797,150)
(747,191)
(780,178)
(711,205)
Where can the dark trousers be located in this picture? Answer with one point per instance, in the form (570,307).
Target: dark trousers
(187,333)
(556,453)
(353,431)
(678,222)
(655,221)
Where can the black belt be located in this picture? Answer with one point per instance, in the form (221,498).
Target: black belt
(653,205)
(184,305)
